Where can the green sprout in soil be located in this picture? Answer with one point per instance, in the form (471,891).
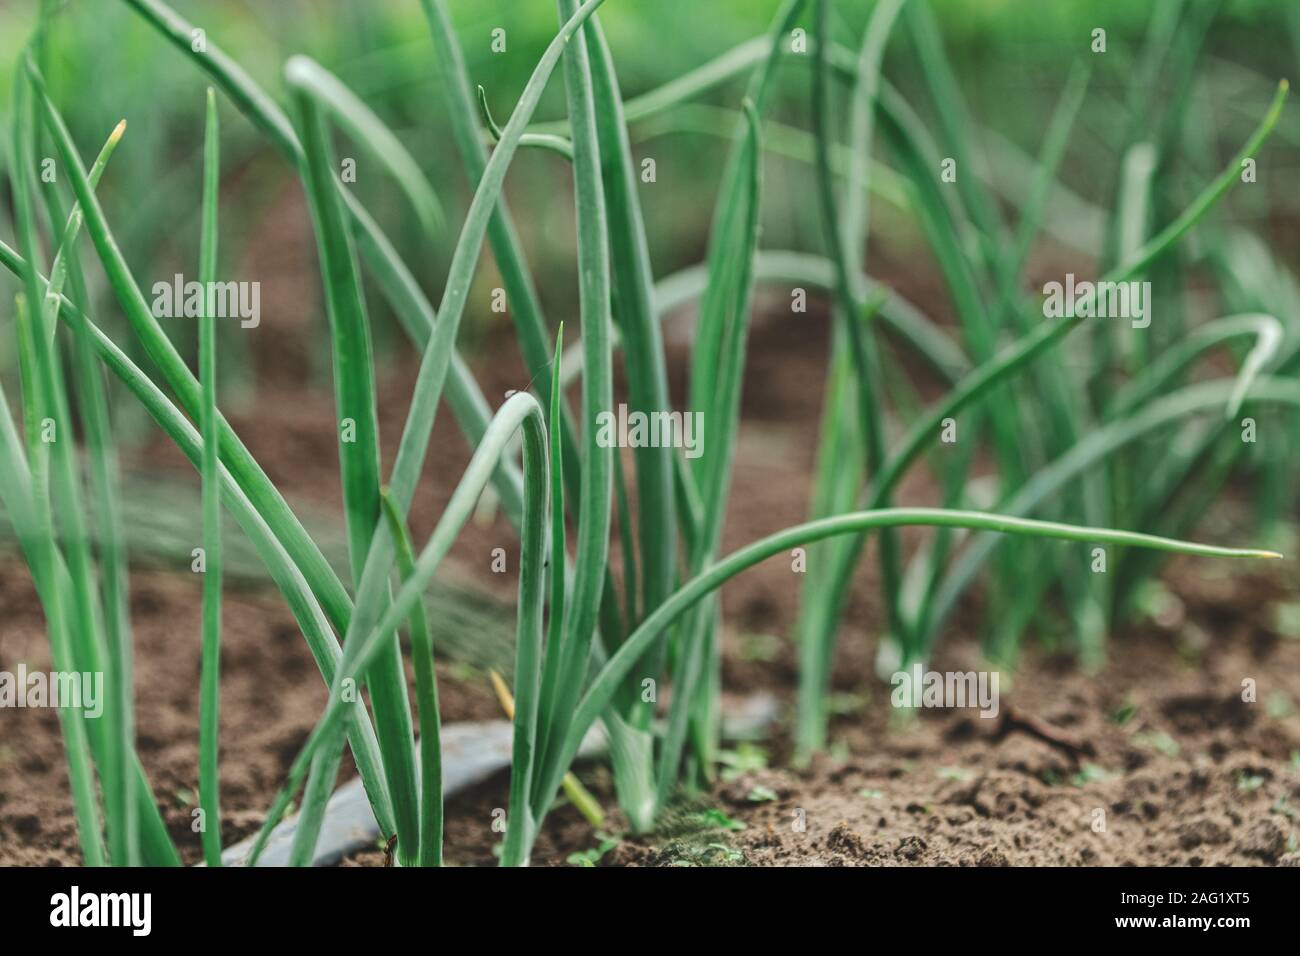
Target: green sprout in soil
(592,857)
(1280,706)
(959,774)
(1124,713)
(1250,782)
(1286,618)
(1159,741)
(746,758)
(1090,773)
(692,833)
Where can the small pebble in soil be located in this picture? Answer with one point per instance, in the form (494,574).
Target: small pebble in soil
(992,856)
(843,839)
(1265,840)
(910,847)
(1194,833)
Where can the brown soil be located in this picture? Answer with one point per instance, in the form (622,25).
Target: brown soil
(1179,770)
(271,695)
(1154,760)
(1192,776)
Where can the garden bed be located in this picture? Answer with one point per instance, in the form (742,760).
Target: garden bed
(1185,772)
(964,481)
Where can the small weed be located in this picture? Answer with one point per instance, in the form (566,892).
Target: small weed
(746,758)
(1124,714)
(1090,773)
(1250,782)
(591,857)
(1157,740)
(1280,706)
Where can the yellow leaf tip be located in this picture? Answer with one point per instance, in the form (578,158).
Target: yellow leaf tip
(504,697)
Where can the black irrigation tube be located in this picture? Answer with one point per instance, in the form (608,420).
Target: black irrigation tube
(472,752)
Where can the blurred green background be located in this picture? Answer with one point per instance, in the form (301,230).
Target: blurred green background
(1011,58)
